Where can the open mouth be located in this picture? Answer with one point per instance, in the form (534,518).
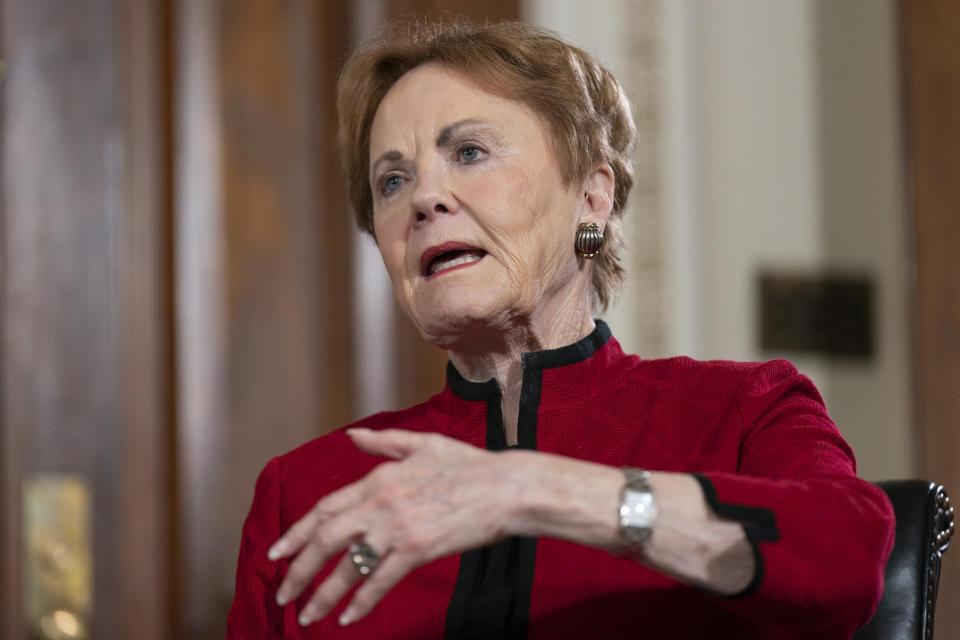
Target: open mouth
(449,256)
(453,259)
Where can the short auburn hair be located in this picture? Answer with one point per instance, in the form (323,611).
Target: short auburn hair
(583,105)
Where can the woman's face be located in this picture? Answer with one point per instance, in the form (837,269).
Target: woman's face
(472,217)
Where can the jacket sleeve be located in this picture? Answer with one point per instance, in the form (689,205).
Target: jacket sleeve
(254,613)
(821,536)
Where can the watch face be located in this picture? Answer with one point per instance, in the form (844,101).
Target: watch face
(637,510)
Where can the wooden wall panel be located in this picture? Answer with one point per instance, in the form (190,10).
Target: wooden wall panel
(9,439)
(264,336)
(83,330)
(273,266)
(932,60)
(145,314)
(334,228)
(60,375)
(199,318)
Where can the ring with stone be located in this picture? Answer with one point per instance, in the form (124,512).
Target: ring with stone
(363,557)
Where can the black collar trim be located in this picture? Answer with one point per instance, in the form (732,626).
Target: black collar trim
(572,353)
(548,358)
(491,598)
(468,390)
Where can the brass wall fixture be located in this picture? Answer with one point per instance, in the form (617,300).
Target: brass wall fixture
(58,566)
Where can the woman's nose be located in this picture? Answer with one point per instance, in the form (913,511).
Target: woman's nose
(431,195)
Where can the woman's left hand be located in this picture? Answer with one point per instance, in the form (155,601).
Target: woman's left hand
(440,497)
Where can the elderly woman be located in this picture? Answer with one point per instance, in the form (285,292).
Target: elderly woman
(556,487)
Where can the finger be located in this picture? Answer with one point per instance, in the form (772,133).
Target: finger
(327,540)
(394,443)
(332,591)
(301,532)
(389,572)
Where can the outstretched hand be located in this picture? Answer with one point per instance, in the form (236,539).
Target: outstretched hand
(439,497)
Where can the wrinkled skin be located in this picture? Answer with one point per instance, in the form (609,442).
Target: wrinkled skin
(492,182)
(435,501)
(451,162)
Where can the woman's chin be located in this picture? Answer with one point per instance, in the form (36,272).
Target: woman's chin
(448,329)
(451,324)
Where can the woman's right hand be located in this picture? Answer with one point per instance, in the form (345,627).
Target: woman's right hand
(441,496)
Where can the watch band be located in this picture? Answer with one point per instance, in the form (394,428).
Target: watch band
(637,510)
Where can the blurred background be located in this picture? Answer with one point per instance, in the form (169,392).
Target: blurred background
(183,295)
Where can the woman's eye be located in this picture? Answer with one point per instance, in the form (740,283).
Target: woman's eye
(470,154)
(391,183)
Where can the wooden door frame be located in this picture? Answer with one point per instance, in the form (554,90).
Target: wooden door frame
(931,63)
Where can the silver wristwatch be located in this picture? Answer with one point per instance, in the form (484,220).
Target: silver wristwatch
(637,510)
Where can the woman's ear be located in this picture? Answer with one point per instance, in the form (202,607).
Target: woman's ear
(598,195)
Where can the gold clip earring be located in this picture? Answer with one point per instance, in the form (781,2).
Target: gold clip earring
(589,240)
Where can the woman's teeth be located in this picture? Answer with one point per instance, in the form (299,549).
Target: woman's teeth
(448,263)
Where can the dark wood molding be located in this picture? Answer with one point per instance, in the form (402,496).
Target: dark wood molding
(9,438)
(143,253)
(931,48)
(335,229)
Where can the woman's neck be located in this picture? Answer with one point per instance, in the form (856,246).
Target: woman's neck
(498,355)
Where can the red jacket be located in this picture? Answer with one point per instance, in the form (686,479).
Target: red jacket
(756,435)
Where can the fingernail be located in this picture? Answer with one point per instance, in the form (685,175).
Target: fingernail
(282,597)
(346,618)
(307,616)
(276,551)
(354,430)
